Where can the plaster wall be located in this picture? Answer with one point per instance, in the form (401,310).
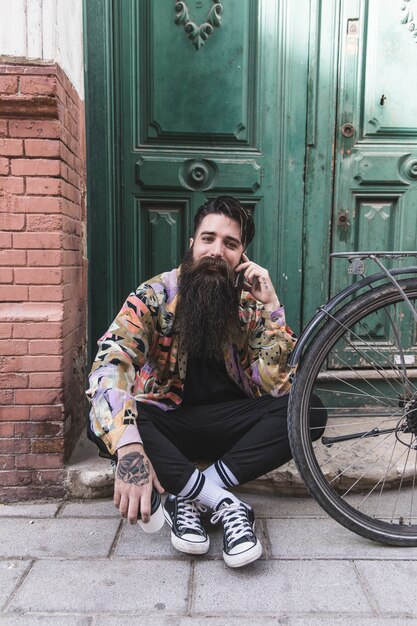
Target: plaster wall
(44,30)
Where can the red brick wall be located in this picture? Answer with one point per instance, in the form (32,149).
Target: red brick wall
(42,278)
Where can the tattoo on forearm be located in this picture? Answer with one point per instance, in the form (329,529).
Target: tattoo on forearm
(133,469)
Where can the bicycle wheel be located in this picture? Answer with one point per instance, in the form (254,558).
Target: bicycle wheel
(363,367)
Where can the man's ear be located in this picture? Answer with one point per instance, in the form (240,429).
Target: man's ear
(191,242)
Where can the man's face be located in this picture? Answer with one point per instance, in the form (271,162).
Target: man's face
(218,236)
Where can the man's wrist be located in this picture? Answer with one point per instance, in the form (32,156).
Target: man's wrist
(272,306)
(129,447)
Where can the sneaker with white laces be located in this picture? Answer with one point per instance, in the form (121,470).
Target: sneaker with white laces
(240,545)
(187,532)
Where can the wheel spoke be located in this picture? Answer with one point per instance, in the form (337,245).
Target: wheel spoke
(361,464)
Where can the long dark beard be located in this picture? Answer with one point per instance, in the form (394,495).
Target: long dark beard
(207,315)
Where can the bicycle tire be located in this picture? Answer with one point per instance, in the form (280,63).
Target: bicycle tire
(335,478)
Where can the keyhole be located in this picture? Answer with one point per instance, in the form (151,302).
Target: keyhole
(383,98)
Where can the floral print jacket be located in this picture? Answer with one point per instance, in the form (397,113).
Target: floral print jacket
(138,357)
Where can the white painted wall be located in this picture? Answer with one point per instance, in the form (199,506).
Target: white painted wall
(44,30)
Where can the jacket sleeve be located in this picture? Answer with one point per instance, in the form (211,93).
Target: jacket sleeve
(123,350)
(270,342)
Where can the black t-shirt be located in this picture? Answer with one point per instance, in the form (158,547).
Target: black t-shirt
(207,382)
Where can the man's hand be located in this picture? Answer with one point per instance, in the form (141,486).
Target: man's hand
(133,483)
(258,283)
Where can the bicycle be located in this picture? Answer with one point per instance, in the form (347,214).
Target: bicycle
(358,354)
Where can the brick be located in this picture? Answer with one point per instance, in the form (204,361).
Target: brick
(71,242)
(38,85)
(16,413)
(30,364)
(39,461)
(35,167)
(45,223)
(71,257)
(37,204)
(4,166)
(14,446)
(13,348)
(43,446)
(38,396)
(5,330)
(6,397)
(50,477)
(44,258)
(15,478)
(40,330)
(12,221)
(43,186)
(41,147)
(13,293)
(48,129)
(7,429)
(38,429)
(70,192)
(14,381)
(49,413)
(42,381)
(46,346)
(38,276)
(4,128)
(46,293)
(7,462)
(5,240)
(12,258)
(11,147)
(6,276)
(38,240)
(32,492)
(12,184)
(8,84)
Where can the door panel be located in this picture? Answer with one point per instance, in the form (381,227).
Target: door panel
(375,206)
(228,118)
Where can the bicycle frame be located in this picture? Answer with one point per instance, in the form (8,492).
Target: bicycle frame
(313,326)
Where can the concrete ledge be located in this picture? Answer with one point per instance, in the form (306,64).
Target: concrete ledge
(90,476)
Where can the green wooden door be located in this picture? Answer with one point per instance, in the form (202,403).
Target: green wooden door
(196,121)
(375,200)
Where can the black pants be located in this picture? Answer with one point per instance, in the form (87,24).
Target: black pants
(249,435)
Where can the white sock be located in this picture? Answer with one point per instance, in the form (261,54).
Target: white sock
(221,475)
(204,491)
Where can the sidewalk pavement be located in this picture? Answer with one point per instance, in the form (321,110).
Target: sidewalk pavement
(76,563)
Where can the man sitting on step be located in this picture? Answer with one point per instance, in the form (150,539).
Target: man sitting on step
(195,367)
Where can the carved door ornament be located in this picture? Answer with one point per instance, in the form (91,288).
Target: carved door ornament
(198,34)
(408,17)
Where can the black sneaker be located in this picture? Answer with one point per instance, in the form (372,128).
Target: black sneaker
(187,533)
(240,544)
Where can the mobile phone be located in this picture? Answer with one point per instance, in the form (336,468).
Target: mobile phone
(240,277)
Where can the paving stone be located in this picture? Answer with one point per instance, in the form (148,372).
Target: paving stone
(11,573)
(90,508)
(278,506)
(391,585)
(139,620)
(347,621)
(29,510)
(134,542)
(105,586)
(277,587)
(56,537)
(253,620)
(325,538)
(28,619)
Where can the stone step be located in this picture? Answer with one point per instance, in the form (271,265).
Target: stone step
(90,476)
